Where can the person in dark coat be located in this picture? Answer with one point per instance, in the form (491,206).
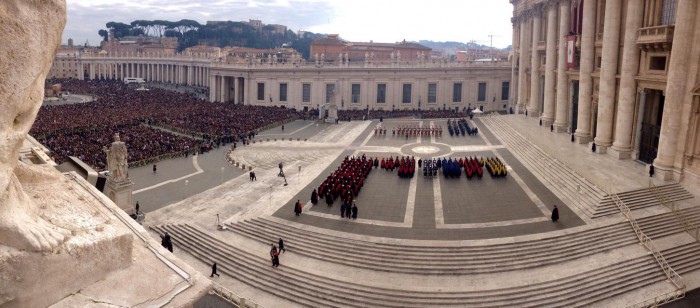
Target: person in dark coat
(297,208)
(166,242)
(137,208)
(213,271)
(314,197)
(342,210)
(276,258)
(154,168)
(273,252)
(651,172)
(280,244)
(348,211)
(354,211)
(555,214)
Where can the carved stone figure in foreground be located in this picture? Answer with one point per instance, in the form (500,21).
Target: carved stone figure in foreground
(31,33)
(117,160)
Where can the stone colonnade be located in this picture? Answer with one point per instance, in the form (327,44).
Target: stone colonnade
(594,58)
(120,68)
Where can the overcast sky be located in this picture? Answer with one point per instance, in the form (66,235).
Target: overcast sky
(355,20)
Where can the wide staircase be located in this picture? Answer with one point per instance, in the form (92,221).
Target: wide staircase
(590,199)
(564,182)
(642,198)
(310,289)
(441,260)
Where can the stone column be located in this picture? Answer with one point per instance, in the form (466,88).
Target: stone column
(236,95)
(622,147)
(212,90)
(638,125)
(608,70)
(522,78)
(562,119)
(246,89)
(583,130)
(512,95)
(92,71)
(533,108)
(224,89)
(676,87)
(550,65)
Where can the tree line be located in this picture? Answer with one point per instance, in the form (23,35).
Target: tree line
(229,33)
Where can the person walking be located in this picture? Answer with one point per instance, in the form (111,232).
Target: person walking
(154,168)
(273,252)
(276,259)
(166,242)
(281,245)
(297,208)
(354,211)
(213,270)
(342,210)
(137,208)
(555,214)
(651,170)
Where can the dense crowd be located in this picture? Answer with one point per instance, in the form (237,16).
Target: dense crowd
(82,130)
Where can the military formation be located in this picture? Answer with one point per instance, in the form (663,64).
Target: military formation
(345,183)
(471,166)
(416,130)
(461,126)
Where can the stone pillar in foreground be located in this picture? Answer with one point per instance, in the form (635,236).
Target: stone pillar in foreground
(562,115)
(533,108)
(550,65)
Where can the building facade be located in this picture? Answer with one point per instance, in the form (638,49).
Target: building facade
(308,85)
(331,46)
(622,74)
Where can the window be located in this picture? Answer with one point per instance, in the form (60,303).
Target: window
(355,93)
(381,93)
(668,12)
(306,93)
(406,95)
(657,63)
(261,91)
(432,93)
(283,92)
(482,92)
(505,90)
(457,92)
(330,92)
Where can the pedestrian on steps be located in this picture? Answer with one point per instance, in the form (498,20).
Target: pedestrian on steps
(213,270)
(281,245)
(555,214)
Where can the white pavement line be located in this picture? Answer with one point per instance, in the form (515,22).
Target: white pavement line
(420,125)
(523,185)
(476,148)
(369,136)
(437,200)
(411,202)
(492,224)
(307,206)
(359,220)
(196,167)
(287,134)
(482,135)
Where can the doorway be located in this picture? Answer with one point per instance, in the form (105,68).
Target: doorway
(574,105)
(651,126)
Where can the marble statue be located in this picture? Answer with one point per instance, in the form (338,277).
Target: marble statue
(32,32)
(366,56)
(392,56)
(398,56)
(117,160)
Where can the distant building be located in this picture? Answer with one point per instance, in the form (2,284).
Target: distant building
(143,44)
(240,54)
(332,45)
(481,54)
(65,63)
(201,50)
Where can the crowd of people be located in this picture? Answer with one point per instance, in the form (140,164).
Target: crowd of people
(82,129)
(345,183)
(455,127)
(405,165)
(416,130)
(473,167)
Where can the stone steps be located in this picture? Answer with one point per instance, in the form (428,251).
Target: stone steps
(583,194)
(642,198)
(444,260)
(314,290)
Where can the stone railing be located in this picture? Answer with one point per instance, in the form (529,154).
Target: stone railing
(671,274)
(233,298)
(689,227)
(655,35)
(310,65)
